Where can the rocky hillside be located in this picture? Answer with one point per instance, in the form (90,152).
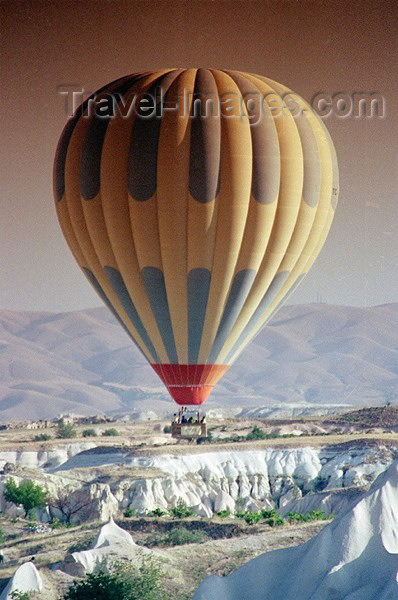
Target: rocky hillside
(105,481)
(310,357)
(352,558)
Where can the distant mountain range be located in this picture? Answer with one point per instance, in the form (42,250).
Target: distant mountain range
(309,356)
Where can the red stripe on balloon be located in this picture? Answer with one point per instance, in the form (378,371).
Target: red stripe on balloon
(190,384)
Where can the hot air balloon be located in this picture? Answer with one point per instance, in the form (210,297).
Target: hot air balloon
(194,201)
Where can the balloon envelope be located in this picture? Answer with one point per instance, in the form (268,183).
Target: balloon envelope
(194,201)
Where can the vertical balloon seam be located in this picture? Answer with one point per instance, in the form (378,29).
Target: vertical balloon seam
(194,337)
(150,82)
(227,283)
(189,307)
(206,374)
(295,283)
(321,129)
(158,81)
(215,348)
(172,195)
(251,332)
(258,275)
(162,258)
(271,242)
(88,188)
(137,320)
(237,78)
(87,272)
(318,131)
(78,201)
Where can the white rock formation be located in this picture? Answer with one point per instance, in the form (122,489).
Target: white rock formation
(25,579)
(36,459)
(111,543)
(206,480)
(353,558)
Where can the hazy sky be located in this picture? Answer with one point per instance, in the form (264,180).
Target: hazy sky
(310,46)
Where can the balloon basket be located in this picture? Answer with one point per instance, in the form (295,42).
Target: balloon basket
(189,425)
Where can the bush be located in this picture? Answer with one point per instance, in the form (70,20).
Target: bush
(256,434)
(176,537)
(275,521)
(17,595)
(42,437)
(29,495)
(66,431)
(269,513)
(158,512)
(130,512)
(58,524)
(89,433)
(124,582)
(295,517)
(181,535)
(314,515)
(224,513)
(167,429)
(110,432)
(181,511)
(272,517)
(318,515)
(252,517)
(2,536)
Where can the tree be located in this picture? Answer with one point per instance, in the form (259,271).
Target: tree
(66,430)
(68,504)
(27,494)
(124,582)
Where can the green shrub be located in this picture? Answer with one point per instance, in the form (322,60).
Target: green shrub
(256,434)
(58,524)
(181,535)
(42,437)
(27,494)
(268,513)
(224,513)
(167,429)
(318,515)
(275,521)
(295,517)
(17,595)
(2,536)
(252,517)
(176,537)
(130,512)
(66,431)
(181,511)
(110,432)
(314,515)
(124,582)
(158,512)
(89,433)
